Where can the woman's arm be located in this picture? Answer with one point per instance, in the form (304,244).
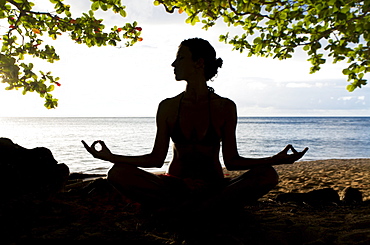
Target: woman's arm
(230,153)
(154,159)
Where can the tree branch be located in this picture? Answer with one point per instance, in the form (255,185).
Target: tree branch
(246,13)
(167,9)
(23,12)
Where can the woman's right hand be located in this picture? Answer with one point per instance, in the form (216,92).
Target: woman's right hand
(104,153)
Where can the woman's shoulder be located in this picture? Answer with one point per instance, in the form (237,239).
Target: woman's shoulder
(222,101)
(170,104)
(223,109)
(172,99)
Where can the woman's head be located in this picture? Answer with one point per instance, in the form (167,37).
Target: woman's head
(202,49)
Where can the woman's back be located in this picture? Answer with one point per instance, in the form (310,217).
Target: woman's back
(196,131)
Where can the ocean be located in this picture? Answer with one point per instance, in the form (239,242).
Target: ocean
(327,137)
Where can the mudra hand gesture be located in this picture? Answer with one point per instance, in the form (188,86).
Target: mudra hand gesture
(104,153)
(284,158)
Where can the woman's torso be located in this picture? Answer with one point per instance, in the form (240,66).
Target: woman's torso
(196,129)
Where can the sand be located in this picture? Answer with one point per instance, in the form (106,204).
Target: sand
(338,174)
(80,216)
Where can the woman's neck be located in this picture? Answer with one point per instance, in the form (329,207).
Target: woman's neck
(196,92)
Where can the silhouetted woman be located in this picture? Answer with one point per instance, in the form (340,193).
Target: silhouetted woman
(196,120)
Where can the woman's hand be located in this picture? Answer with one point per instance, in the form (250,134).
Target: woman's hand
(103,154)
(284,158)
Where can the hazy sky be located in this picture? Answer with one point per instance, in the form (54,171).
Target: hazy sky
(113,81)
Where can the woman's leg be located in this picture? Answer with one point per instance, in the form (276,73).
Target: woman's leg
(249,186)
(139,185)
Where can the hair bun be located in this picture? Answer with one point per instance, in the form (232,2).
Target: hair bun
(219,62)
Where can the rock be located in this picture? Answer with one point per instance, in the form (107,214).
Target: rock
(351,195)
(29,171)
(321,196)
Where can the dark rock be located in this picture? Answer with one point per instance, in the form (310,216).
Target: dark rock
(351,196)
(29,171)
(321,196)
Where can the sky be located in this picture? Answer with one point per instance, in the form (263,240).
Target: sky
(130,82)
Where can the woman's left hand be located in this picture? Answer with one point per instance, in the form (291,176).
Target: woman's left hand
(284,158)
(104,153)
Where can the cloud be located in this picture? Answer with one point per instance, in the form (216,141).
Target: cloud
(303,97)
(345,98)
(298,85)
(361,97)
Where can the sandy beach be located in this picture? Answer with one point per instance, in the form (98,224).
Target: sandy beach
(81,215)
(338,174)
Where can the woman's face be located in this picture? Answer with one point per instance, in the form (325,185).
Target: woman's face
(185,67)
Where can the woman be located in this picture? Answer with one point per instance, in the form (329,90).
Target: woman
(196,120)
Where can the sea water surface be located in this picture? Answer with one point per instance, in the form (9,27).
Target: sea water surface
(327,137)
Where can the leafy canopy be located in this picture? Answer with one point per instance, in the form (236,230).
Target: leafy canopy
(339,29)
(24,35)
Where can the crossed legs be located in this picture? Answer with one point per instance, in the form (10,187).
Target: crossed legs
(248,187)
(152,191)
(137,184)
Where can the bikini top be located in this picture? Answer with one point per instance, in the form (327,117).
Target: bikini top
(211,137)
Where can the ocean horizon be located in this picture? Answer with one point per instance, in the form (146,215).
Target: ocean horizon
(327,137)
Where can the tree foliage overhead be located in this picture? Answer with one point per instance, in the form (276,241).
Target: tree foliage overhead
(336,29)
(339,29)
(23,31)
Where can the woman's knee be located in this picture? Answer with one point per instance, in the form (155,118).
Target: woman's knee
(117,173)
(272,175)
(112,174)
(130,177)
(266,174)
